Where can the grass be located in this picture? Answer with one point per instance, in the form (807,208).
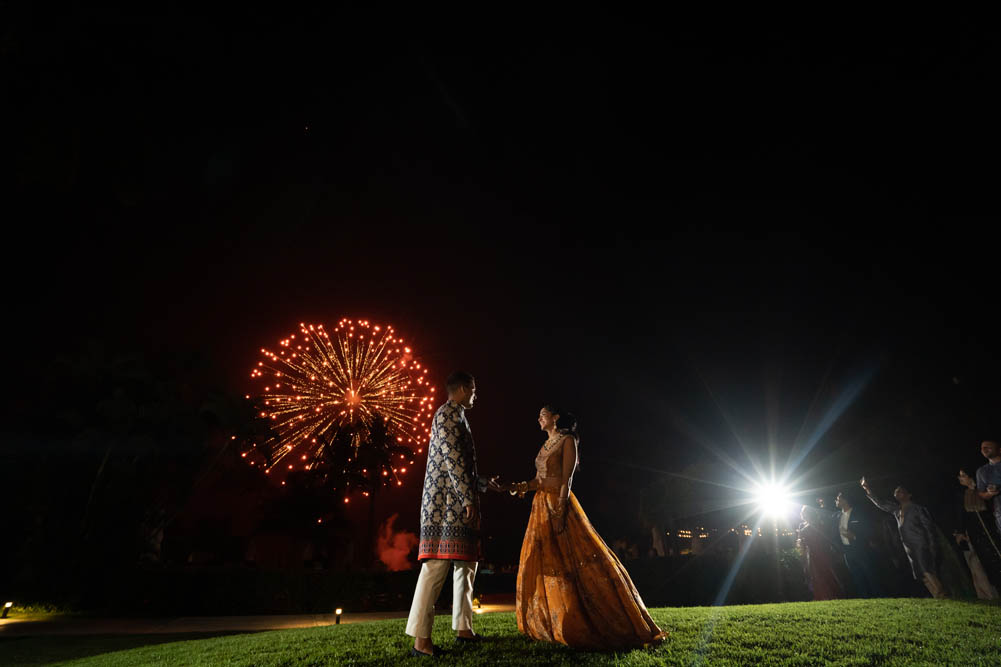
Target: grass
(842,632)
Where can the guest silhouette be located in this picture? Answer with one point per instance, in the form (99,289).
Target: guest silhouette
(854,529)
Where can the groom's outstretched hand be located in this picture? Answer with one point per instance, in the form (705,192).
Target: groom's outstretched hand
(494,485)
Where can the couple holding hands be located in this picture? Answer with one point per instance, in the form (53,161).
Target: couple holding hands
(571,588)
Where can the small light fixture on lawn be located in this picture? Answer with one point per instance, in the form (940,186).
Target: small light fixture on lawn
(337,613)
(6,608)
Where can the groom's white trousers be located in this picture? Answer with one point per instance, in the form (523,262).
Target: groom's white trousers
(429,582)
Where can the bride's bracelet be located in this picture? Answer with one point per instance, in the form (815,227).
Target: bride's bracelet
(519,489)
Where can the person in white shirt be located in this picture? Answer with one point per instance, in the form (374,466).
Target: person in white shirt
(853,531)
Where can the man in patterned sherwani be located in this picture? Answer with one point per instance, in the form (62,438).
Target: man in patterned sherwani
(450,517)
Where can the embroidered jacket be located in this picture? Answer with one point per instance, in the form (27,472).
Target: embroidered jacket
(451,482)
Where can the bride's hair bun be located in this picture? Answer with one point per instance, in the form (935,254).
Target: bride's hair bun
(567,422)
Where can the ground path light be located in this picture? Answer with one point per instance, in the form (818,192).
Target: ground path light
(6,608)
(337,613)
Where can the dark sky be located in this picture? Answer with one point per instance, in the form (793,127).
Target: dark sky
(694,230)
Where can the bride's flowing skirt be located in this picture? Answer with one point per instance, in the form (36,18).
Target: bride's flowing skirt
(572,588)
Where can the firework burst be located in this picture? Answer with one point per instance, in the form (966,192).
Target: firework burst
(318,387)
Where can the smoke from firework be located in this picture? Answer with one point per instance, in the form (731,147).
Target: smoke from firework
(393,548)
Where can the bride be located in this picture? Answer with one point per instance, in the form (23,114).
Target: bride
(572,589)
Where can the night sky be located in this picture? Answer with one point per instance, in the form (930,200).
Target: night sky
(706,237)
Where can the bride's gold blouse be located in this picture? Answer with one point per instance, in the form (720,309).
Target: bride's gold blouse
(556,462)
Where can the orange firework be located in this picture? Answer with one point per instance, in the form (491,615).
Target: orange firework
(318,386)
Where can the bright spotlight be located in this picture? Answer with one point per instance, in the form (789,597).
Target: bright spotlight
(772,499)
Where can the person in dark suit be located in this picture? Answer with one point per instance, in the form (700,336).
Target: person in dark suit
(854,530)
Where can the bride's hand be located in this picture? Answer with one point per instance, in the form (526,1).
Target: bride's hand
(559,517)
(560,523)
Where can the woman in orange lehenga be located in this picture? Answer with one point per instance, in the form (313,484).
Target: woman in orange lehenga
(572,589)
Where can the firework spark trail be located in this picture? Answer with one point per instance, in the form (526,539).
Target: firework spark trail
(319,383)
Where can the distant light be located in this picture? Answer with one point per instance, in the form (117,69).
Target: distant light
(337,614)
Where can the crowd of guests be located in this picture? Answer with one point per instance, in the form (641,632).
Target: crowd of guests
(852,552)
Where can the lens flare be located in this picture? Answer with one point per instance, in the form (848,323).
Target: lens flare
(772,499)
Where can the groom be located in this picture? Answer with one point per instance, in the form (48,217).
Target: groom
(450,518)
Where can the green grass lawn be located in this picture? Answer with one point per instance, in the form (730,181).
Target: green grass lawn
(844,632)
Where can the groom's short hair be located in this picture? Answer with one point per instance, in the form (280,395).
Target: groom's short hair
(459,379)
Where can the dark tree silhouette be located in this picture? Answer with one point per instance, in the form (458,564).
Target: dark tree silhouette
(362,461)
